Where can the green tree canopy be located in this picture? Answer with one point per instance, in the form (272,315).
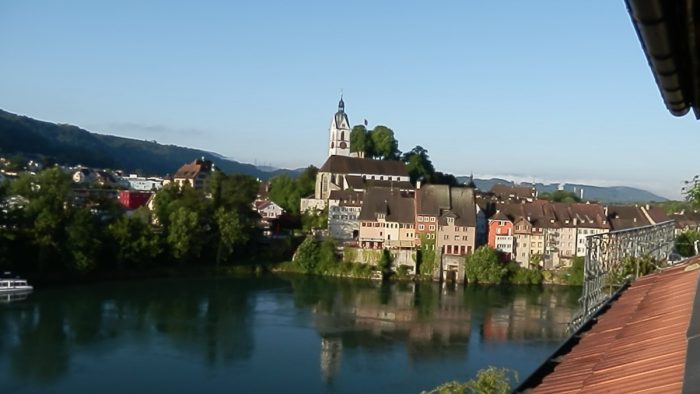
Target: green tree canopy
(418,164)
(361,141)
(385,144)
(691,191)
(484,266)
(560,196)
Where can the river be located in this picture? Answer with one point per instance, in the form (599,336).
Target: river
(273,334)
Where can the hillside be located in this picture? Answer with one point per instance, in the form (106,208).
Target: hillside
(611,194)
(72,145)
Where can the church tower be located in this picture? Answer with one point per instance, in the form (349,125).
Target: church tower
(340,132)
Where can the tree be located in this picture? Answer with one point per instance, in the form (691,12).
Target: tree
(418,164)
(361,141)
(284,192)
(685,243)
(489,380)
(135,243)
(440,178)
(185,234)
(560,196)
(574,274)
(691,191)
(484,266)
(231,231)
(385,145)
(82,241)
(307,255)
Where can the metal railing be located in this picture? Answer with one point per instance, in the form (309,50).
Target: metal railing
(606,256)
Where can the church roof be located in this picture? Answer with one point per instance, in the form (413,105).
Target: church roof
(355,165)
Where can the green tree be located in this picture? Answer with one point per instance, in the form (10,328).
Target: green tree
(560,196)
(574,274)
(685,242)
(185,234)
(484,266)
(307,255)
(418,164)
(231,233)
(385,263)
(385,145)
(284,192)
(83,242)
(311,220)
(361,141)
(489,380)
(691,191)
(136,245)
(440,178)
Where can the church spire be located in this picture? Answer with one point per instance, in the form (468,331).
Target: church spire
(341,104)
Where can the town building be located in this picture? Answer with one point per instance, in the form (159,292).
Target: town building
(512,193)
(140,183)
(450,216)
(132,199)
(387,219)
(268,210)
(344,208)
(195,174)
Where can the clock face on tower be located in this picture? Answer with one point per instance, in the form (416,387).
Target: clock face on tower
(343,145)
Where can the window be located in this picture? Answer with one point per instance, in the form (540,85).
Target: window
(498,230)
(432,219)
(456,237)
(421,227)
(420,218)
(432,227)
(446,237)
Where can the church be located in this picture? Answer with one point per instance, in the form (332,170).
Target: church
(343,170)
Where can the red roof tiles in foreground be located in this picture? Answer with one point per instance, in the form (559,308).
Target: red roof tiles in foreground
(638,345)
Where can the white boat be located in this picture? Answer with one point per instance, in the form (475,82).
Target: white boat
(14,286)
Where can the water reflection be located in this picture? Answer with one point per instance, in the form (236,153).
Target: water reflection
(218,323)
(430,321)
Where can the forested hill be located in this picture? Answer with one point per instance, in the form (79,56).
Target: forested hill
(71,145)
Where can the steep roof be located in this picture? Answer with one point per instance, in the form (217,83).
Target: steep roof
(625,217)
(642,343)
(191,170)
(347,198)
(397,206)
(686,219)
(512,191)
(444,201)
(355,165)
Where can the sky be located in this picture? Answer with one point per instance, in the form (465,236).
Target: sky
(552,91)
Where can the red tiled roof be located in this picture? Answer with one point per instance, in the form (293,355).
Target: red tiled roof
(638,345)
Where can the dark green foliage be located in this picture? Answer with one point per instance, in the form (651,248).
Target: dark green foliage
(484,266)
(633,267)
(50,232)
(685,243)
(361,141)
(66,144)
(314,220)
(489,380)
(574,274)
(287,192)
(426,257)
(560,196)
(418,164)
(384,143)
(385,263)
(316,257)
(523,276)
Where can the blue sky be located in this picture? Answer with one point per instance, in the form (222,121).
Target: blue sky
(537,90)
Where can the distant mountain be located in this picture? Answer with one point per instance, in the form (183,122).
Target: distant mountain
(611,194)
(71,145)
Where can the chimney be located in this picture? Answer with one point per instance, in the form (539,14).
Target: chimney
(605,209)
(418,182)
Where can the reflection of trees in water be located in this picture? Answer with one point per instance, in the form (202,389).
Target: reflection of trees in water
(209,318)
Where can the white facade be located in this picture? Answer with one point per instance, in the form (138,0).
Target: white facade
(270,210)
(343,223)
(143,183)
(581,234)
(339,143)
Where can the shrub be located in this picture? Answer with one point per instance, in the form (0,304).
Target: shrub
(490,380)
(484,266)
(574,274)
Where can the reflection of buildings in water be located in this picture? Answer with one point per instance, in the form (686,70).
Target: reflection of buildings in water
(331,352)
(370,319)
(543,317)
